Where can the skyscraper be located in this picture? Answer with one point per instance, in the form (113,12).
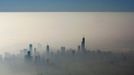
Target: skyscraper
(78,48)
(47,48)
(63,49)
(34,51)
(28,57)
(31,48)
(83,44)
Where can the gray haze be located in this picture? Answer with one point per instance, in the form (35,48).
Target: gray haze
(103,30)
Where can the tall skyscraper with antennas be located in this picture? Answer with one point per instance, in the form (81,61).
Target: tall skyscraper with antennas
(83,44)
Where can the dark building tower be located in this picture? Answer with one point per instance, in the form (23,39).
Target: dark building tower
(29,54)
(28,57)
(79,48)
(83,44)
(63,49)
(47,48)
(30,48)
(35,51)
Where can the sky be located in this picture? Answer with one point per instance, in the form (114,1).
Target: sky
(102,30)
(66,5)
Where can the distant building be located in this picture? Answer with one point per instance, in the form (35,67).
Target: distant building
(31,48)
(83,44)
(63,49)
(25,51)
(1,58)
(35,51)
(47,49)
(28,56)
(78,48)
(73,52)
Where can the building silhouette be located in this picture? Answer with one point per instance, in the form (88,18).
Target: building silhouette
(35,50)
(83,44)
(78,48)
(28,56)
(47,48)
(63,49)
(31,48)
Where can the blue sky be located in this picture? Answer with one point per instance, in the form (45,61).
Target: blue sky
(66,5)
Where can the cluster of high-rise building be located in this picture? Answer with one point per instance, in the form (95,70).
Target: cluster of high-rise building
(40,58)
(31,53)
(42,55)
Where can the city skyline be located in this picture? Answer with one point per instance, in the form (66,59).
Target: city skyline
(103,30)
(66,37)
